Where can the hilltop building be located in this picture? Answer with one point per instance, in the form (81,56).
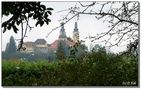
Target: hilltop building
(41,46)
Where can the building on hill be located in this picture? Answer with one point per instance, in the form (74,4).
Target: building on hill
(40,42)
(41,46)
(64,39)
(29,47)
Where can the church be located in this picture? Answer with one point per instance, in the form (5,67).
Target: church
(41,46)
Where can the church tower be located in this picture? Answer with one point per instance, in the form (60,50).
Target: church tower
(62,35)
(75,33)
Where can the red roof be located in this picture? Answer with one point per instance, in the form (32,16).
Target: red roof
(55,44)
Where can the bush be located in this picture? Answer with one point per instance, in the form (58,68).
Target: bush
(96,69)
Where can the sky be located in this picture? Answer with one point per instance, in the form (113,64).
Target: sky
(87,25)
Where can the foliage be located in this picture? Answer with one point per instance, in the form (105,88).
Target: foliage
(96,69)
(11,46)
(78,50)
(97,48)
(62,50)
(28,56)
(21,11)
(51,55)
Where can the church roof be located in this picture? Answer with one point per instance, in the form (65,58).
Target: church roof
(40,41)
(70,43)
(54,45)
(29,44)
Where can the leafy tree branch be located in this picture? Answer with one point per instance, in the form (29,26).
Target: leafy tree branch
(21,13)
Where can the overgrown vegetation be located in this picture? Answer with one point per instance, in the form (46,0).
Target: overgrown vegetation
(97,68)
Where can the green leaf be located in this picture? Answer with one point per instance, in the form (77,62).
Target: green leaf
(37,23)
(30,15)
(15,29)
(50,9)
(42,6)
(9,27)
(48,20)
(49,12)
(4,30)
(41,23)
(35,16)
(45,15)
(4,24)
(18,22)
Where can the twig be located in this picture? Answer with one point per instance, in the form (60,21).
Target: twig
(68,20)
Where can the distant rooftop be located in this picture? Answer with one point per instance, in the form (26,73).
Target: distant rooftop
(28,44)
(40,41)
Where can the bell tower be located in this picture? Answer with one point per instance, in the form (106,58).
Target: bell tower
(62,35)
(75,33)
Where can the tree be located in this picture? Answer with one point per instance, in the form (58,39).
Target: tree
(51,54)
(60,51)
(78,50)
(98,48)
(11,46)
(7,46)
(132,48)
(21,13)
(122,18)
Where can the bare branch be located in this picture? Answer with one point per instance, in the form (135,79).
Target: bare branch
(105,32)
(123,20)
(23,34)
(69,19)
(110,14)
(87,5)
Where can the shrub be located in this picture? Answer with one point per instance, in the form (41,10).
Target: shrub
(96,69)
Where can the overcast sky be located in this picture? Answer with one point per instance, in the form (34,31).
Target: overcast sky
(87,25)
